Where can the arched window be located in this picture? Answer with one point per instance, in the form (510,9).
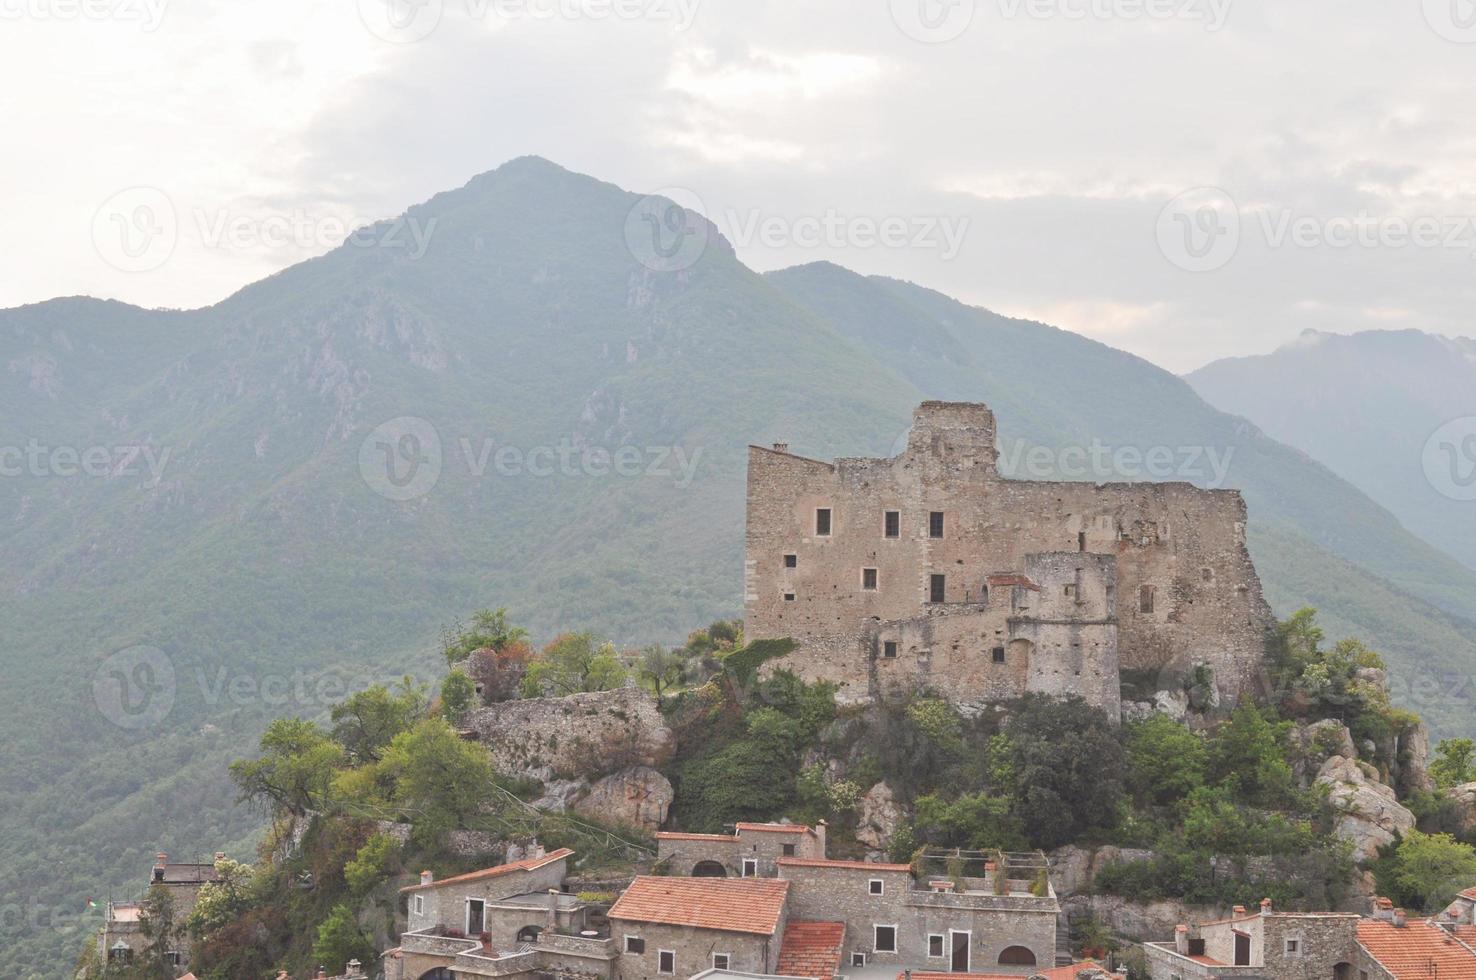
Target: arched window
(439,973)
(1016,956)
(529,934)
(709,869)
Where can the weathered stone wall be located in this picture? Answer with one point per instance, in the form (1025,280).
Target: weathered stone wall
(446,905)
(694,948)
(682,852)
(1180,546)
(843,894)
(583,735)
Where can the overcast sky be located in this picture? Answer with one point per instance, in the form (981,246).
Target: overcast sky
(1185,179)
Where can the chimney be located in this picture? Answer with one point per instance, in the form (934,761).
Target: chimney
(354,969)
(1399,919)
(322,974)
(219,856)
(535,850)
(820,830)
(160,860)
(1181,939)
(553,909)
(1383,910)
(1240,910)
(781,447)
(1265,906)
(426,878)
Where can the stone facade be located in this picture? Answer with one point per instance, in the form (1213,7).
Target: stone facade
(751,851)
(582,735)
(693,950)
(928,926)
(525,897)
(931,570)
(1265,946)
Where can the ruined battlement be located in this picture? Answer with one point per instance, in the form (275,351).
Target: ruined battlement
(930,570)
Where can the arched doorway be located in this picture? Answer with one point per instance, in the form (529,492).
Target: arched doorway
(1343,971)
(709,869)
(1016,956)
(529,934)
(439,973)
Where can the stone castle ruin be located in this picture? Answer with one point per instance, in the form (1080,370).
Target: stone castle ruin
(929,570)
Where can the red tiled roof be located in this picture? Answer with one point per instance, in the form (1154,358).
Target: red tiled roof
(852,865)
(1418,951)
(811,949)
(1053,973)
(527,864)
(1466,934)
(776,828)
(1469,893)
(676,835)
(1020,580)
(752,905)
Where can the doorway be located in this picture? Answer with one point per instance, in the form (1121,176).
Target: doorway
(960,942)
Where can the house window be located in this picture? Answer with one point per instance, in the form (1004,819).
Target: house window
(892,524)
(885,939)
(791,561)
(666,961)
(1145,598)
(1293,947)
(858,959)
(750,867)
(789,850)
(997,655)
(936,584)
(889,649)
(420,905)
(635,945)
(476,916)
(868,579)
(822,522)
(935,524)
(789,597)
(175,957)
(935,946)
(874,886)
(720,961)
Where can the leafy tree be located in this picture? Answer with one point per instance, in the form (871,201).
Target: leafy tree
(661,669)
(364,723)
(162,934)
(1248,755)
(1066,765)
(1429,869)
(1455,763)
(223,900)
(371,865)
(489,629)
(295,770)
(1165,760)
(975,821)
(340,940)
(437,777)
(573,663)
(457,693)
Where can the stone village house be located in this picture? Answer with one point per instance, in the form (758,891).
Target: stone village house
(122,938)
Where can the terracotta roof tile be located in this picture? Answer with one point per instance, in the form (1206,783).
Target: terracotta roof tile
(776,828)
(852,865)
(676,835)
(1418,951)
(1469,893)
(811,949)
(752,905)
(527,864)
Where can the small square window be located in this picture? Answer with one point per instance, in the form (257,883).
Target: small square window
(666,961)
(935,524)
(868,579)
(886,939)
(750,867)
(889,649)
(1293,946)
(937,588)
(874,886)
(789,597)
(635,945)
(998,655)
(822,522)
(935,946)
(858,959)
(892,524)
(791,561)
(720,961)
(789,850)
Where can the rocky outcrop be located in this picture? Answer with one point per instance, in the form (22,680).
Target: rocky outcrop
(1369,815)
(1318,742)
(636,797)
(1465,795)
(877,817)
(1074,869)
(583,736)
(1142,921)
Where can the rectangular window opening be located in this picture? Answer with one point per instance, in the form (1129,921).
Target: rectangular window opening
(892,524)
(998,655)
(937,588)
(720,961)
(886,939)
(868,579)
(875,886)
(935,946)
(935,524)
(750,867)
(822,522)
(635,945)
(789,850)
(1145,599)
(791,561)
(889,650)
(789,597)
(666,961)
